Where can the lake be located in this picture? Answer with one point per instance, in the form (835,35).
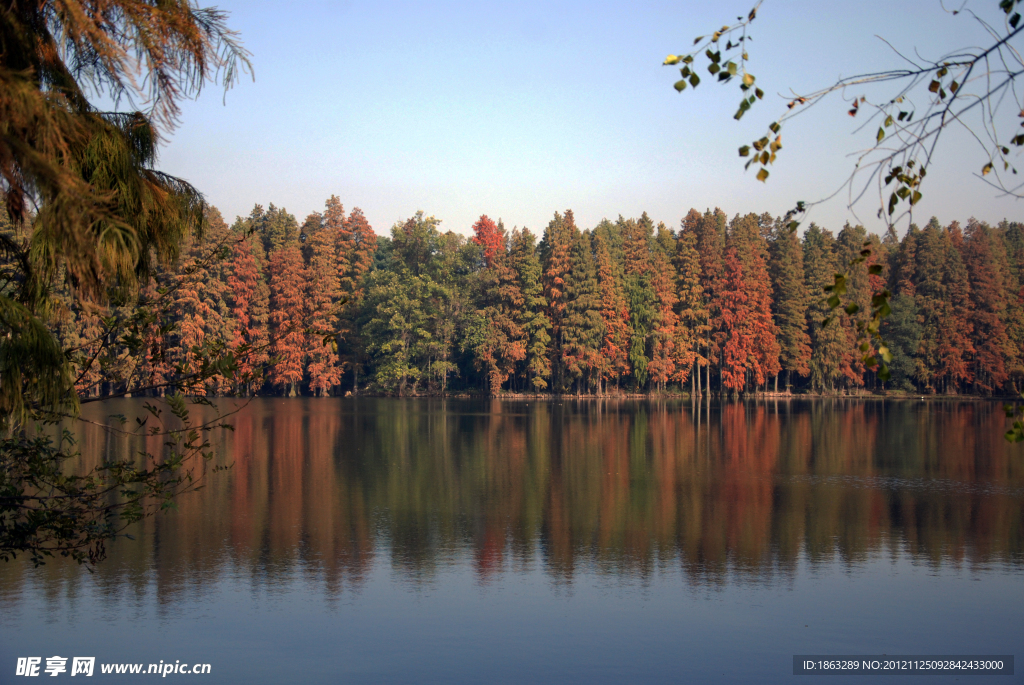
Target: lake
(597,541)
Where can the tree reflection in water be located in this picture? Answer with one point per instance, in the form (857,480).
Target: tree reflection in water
(733,492)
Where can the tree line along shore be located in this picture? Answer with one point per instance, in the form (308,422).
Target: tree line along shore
(628,308)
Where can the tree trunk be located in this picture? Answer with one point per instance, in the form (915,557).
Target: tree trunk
(707,376)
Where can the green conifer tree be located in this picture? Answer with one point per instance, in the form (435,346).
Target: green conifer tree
(535,324)
(637,235)
(555,250)
(828,342)
(789,302)
(582,327)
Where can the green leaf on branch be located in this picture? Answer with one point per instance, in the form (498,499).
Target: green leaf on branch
(883,373)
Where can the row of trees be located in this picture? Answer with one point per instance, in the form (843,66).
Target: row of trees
(719,305)
(749,489)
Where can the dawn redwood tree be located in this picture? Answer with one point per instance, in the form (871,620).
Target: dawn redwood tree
(196,303)
(942,293)
(692,307)
(555,248)
(710,234)
(738,333)
(323,300)
(664,335)
(746,237)
(359,258)
(249,308)
(956,348)
(613,362)
(972,89)
(487,236)
(155,369)
(87,343)
(287,314)
(988,308)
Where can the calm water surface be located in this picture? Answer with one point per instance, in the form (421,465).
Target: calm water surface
(424,541)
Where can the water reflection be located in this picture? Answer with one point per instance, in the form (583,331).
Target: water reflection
(321,490)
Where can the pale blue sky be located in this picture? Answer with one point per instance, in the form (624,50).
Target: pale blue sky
(521,109)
